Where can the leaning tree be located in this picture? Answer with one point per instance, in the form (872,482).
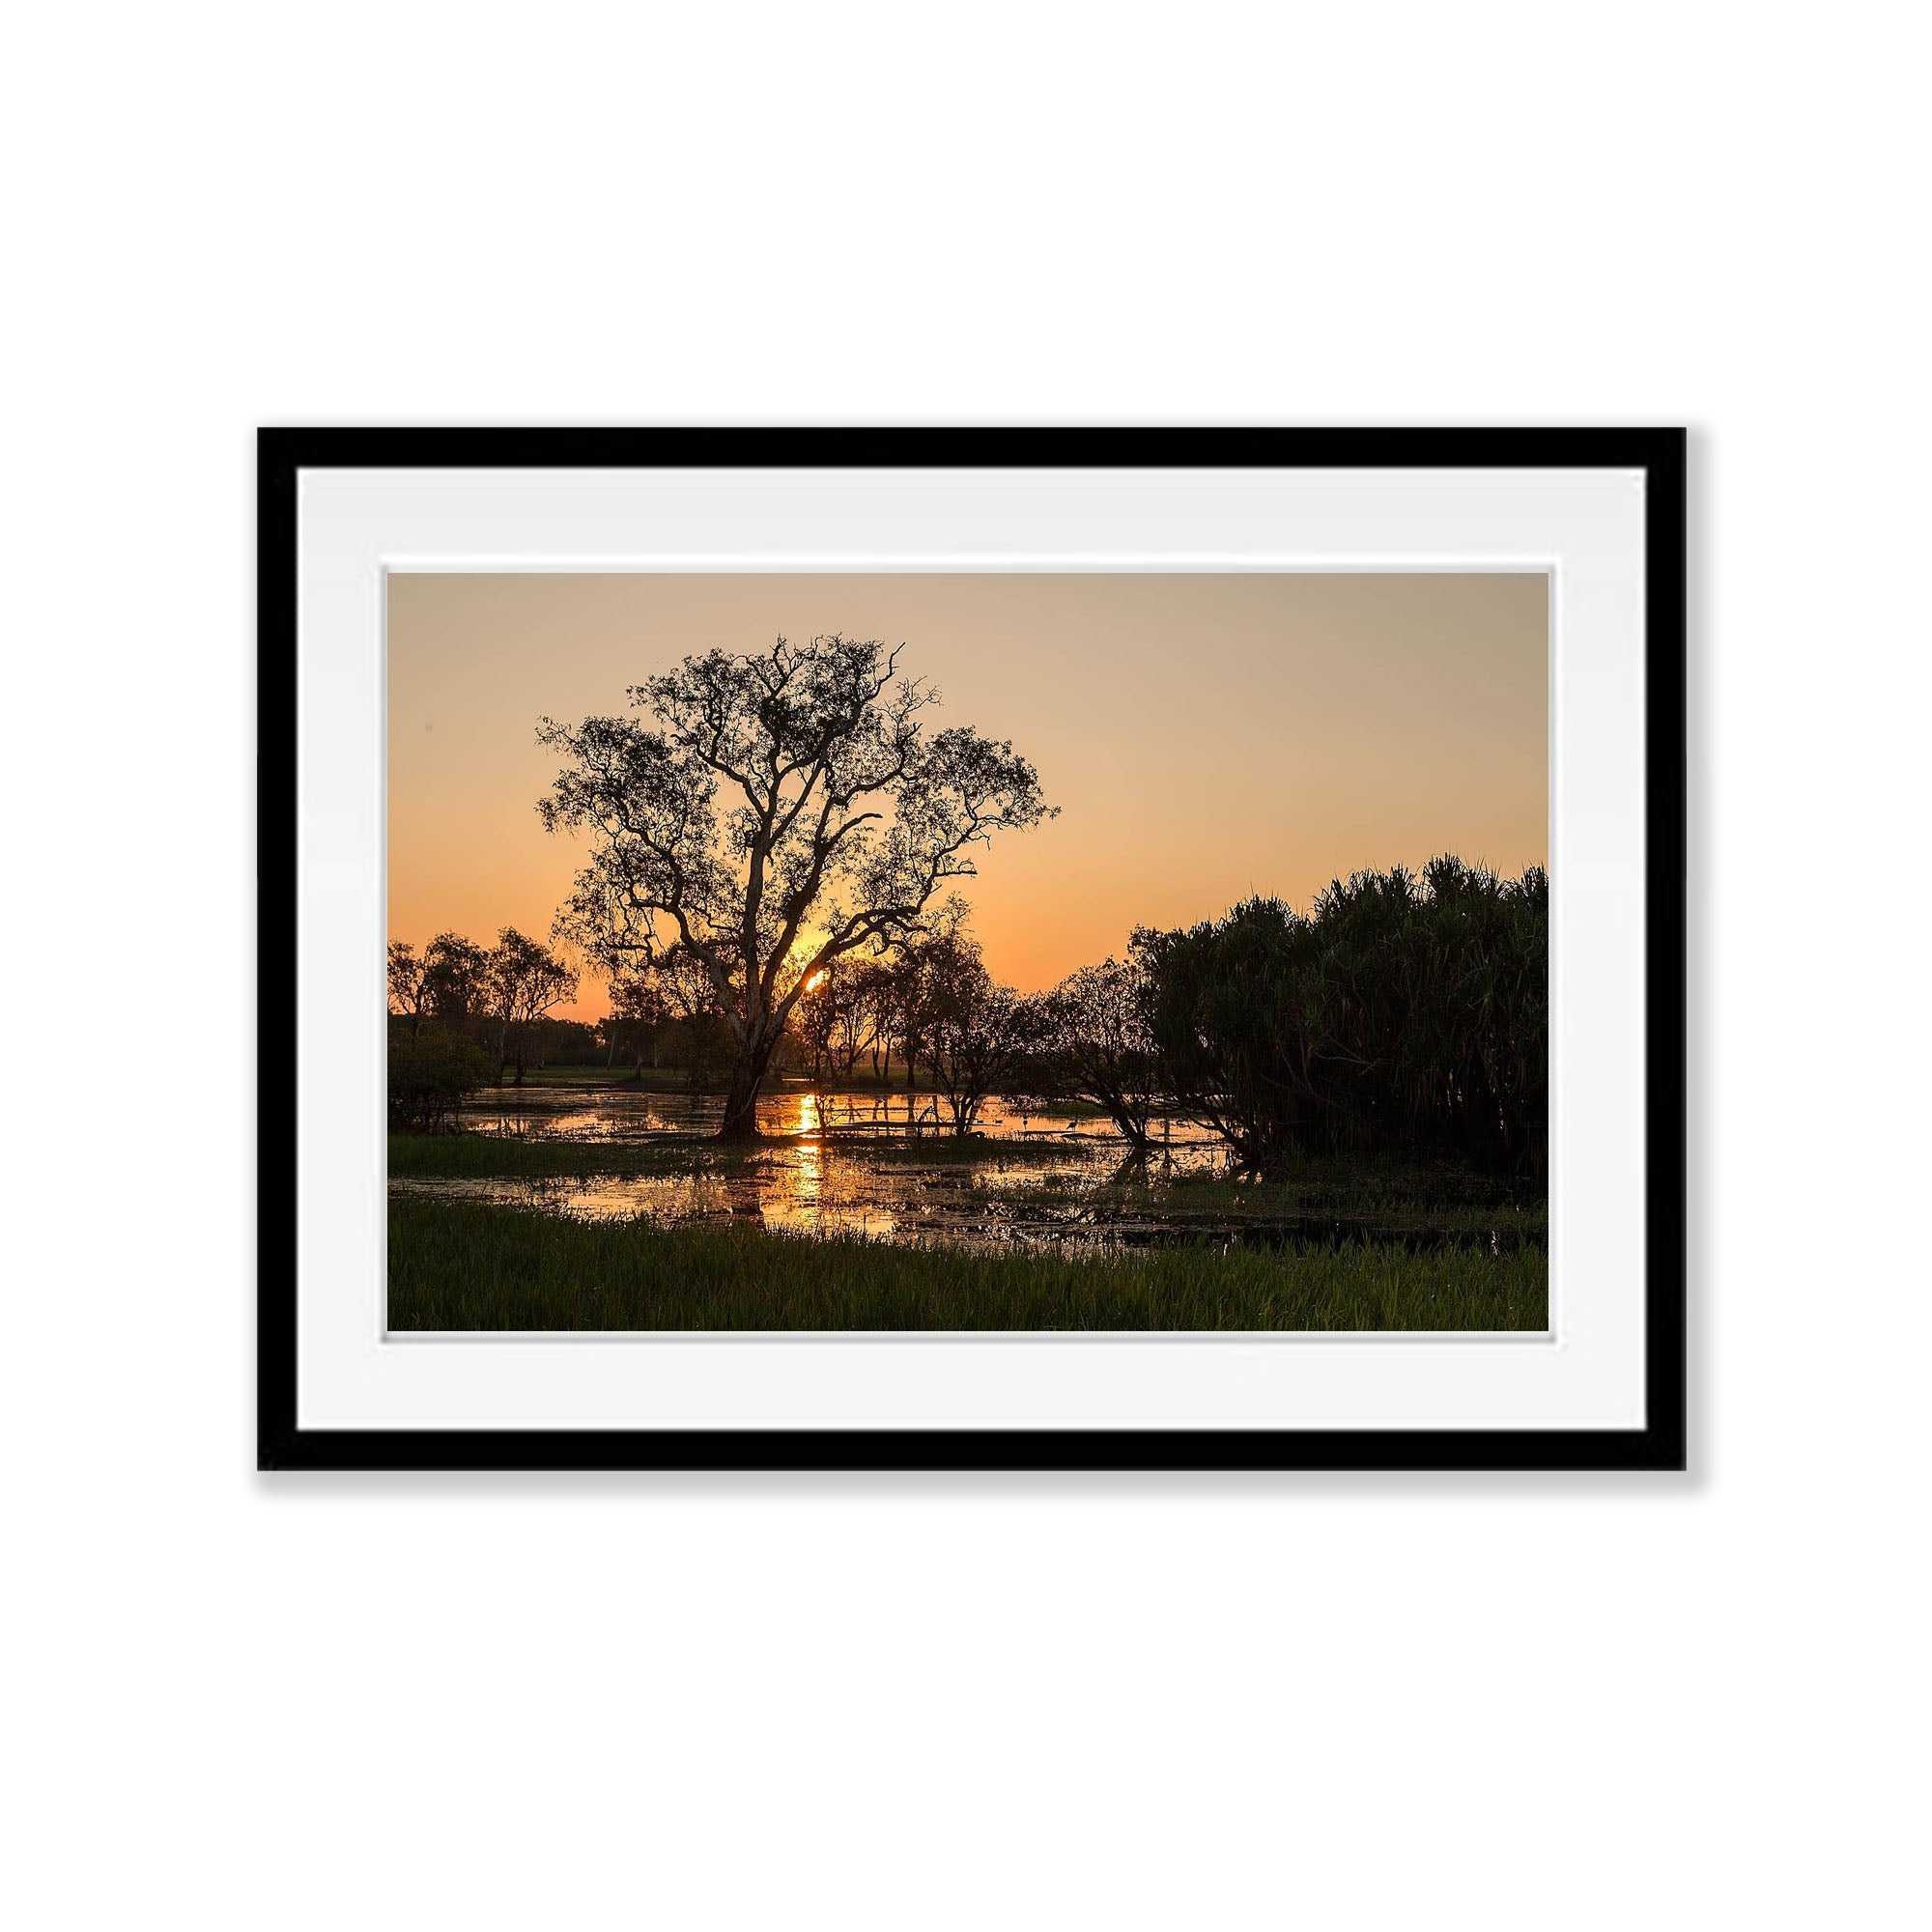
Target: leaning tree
(782,810)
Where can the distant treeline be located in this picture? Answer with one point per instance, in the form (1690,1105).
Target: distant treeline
(463,1015)
(1401,1014)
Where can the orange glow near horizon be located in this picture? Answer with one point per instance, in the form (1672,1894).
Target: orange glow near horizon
(1207,736)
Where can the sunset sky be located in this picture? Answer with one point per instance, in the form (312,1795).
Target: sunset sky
(1205,736)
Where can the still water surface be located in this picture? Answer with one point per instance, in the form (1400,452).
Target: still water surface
(1031,1181)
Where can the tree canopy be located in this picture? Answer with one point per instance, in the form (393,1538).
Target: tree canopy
(778,811)
(1400,1012)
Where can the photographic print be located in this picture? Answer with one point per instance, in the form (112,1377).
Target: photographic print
(972,948)
(973,951)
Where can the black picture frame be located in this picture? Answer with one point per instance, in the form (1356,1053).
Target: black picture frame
(1659,1445)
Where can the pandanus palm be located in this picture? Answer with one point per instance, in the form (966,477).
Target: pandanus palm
(1398,1014)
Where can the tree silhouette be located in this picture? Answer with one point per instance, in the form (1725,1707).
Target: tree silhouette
(1099,1045)
(407,984)
(638,1009)
(523,979)
(787,809)
(1399,1013)
(976,1029)
(443,986)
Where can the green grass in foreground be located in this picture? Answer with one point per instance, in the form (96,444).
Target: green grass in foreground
(464,1266)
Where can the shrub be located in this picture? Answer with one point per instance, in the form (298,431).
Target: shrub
(1399,1013)
(431,1076)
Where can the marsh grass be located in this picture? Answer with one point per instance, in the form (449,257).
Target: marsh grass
(509,1156)
(898,1147)
(462,1265)
(1398,1201)
(1385,1199)
(618,1079)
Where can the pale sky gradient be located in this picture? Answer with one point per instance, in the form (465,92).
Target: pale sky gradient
(1205,736)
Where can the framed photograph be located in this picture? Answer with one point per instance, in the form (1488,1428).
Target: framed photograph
(972,948)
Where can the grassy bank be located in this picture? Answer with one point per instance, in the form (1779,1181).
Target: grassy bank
(462,1266)
(620,1079)
(1390,1200)
(507,1157)
(502,1157)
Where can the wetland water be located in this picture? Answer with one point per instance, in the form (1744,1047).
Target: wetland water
(887,1167)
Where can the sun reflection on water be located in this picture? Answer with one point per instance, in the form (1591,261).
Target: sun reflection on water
(823,1178)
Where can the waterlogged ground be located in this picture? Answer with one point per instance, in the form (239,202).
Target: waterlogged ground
(619,1113)
(887,1167)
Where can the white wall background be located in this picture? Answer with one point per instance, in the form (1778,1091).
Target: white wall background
(231,1702)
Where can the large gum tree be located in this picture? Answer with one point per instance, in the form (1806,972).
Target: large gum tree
(777,812)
